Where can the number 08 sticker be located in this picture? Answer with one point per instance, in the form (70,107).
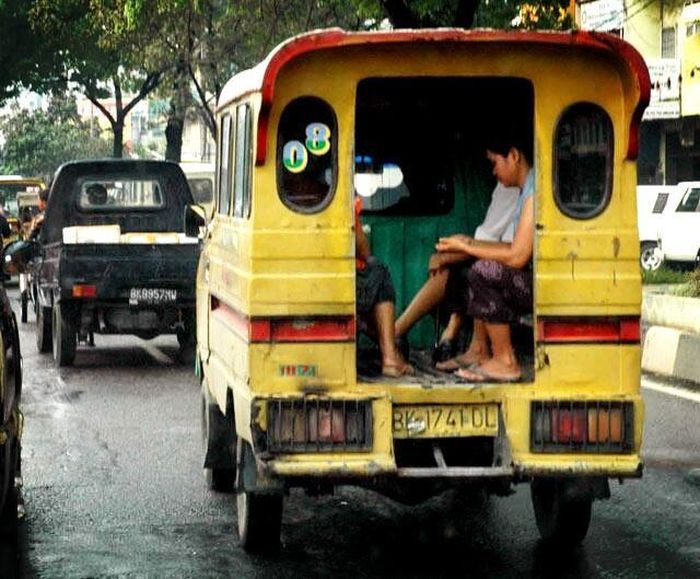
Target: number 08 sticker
(295,154)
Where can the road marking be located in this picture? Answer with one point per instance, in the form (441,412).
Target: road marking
(671,390)
(156,353)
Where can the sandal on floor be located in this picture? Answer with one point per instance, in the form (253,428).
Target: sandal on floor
(477,374)
(455,364)
(397,371)
(444,351)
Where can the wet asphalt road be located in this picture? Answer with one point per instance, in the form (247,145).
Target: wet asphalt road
(113,488)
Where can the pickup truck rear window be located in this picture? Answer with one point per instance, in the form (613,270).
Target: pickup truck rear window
(119,195)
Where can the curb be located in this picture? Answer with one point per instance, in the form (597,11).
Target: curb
(671,346)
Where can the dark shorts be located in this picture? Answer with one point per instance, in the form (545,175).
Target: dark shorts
(373,286)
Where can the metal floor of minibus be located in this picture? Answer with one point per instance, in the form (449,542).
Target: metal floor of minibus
(369,369)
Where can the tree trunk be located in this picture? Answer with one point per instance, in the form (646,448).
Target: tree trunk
(118,143)
(173,138)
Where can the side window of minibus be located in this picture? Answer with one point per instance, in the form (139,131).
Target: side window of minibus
(307,155)
(241,178)
(583,161)
(225,166)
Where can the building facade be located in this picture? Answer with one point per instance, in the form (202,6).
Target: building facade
(667,35)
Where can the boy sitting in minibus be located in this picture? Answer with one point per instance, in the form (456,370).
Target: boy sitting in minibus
(498,285)
(375,302)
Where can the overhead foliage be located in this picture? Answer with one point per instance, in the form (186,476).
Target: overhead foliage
(37,142)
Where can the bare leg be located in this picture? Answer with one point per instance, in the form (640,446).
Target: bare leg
(384,322)
(503,364)
(476,352)
(454,325)
(427,298)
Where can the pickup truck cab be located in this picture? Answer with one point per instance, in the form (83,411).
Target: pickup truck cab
(669,224)
(113,256)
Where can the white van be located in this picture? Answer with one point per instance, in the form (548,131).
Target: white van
(200,177)
(669,223)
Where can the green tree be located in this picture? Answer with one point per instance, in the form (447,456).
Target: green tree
(102,53)
(38,142)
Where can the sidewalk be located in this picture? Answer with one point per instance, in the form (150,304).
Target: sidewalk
(671,345)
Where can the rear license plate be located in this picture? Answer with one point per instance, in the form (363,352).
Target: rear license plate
(443,420)
(151,295)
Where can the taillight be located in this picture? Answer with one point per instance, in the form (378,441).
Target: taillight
(317,425)
(291,329)
(84,291)
(566,426)
(588,330)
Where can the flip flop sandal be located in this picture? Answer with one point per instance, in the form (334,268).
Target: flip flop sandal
(476,374)
(394,371)
(454,364)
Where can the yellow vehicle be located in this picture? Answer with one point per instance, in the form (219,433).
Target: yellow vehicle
(289,398)
(17,195)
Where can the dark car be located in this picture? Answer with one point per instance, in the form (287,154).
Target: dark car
(113,255)
(11,420)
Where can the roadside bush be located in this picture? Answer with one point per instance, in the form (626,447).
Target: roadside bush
(665,275)
(692,287)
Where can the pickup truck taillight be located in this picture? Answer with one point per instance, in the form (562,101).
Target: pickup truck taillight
(84,291)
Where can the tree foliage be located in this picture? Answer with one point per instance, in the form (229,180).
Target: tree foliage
(37,142)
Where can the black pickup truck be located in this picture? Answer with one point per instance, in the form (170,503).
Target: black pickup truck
(114,256)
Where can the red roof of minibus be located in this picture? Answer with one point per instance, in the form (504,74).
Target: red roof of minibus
(262,77)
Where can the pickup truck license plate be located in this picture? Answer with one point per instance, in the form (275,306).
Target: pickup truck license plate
(445,420)
(151,295)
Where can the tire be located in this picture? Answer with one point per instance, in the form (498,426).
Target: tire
(219,444)
(259,515)
(24,299)
(10,451)
(43,329)
(64,338)
(187,340)
(649,257)
(560,520)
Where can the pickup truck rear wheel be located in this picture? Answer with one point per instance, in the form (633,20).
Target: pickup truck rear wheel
(24,303)
(43,329)
(259,514)
(560,519)
(64,336)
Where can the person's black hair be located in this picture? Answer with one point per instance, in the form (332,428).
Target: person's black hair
(503,138)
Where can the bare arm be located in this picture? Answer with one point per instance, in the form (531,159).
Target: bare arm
(515,254)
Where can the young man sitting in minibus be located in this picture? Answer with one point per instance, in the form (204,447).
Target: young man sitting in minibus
(445,270)
(498,286)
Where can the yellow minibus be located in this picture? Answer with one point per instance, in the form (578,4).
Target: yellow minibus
(292,393)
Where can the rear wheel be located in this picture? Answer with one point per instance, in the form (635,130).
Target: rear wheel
(219,442)
(650,257)
(560,519)
(64,336)
(259,514)
(43,329)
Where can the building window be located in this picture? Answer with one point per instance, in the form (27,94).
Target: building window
(668,42)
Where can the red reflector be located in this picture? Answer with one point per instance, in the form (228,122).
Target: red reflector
(313,330)
(84,291)
(588,330)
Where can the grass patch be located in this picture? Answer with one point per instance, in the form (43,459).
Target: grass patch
(666,275)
